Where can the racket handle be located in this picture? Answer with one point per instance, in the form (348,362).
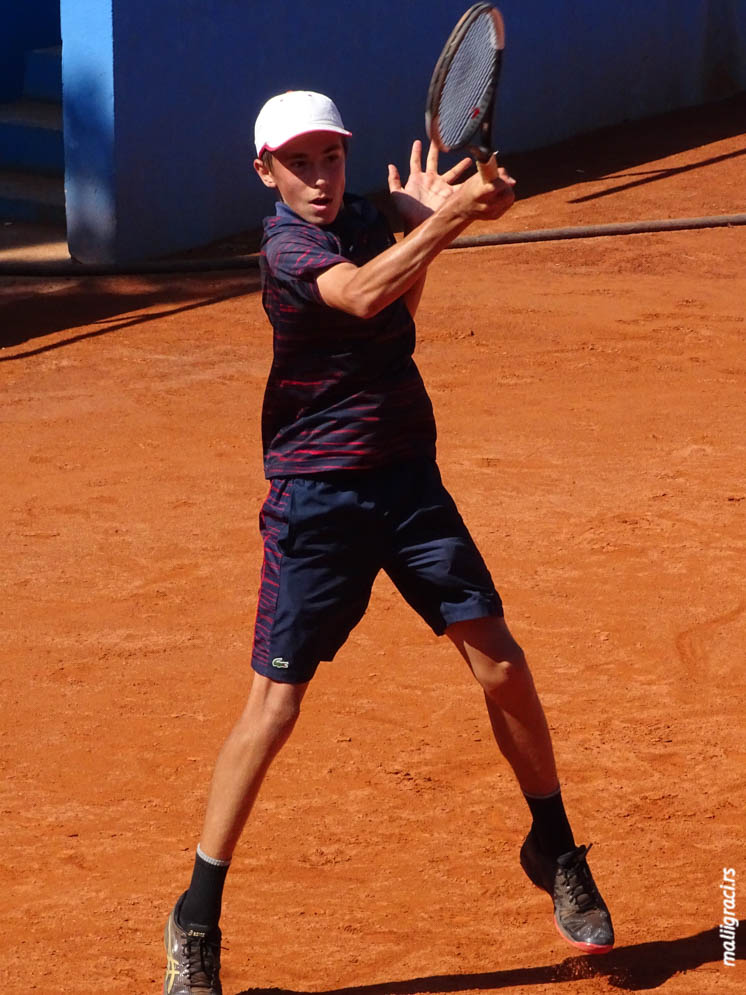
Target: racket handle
(488,170)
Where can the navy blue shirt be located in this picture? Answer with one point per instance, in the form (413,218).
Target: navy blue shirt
(343,392)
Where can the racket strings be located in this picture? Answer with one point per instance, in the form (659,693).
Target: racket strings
(468,83)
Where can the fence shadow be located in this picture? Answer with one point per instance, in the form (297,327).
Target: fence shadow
(100,301)
(612,150)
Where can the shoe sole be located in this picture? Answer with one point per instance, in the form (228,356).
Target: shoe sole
(587,948)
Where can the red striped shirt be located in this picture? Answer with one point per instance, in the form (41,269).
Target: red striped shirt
(343,392)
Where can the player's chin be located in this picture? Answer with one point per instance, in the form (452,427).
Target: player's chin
(323,212)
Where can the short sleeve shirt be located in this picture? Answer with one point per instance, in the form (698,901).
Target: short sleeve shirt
(343,392)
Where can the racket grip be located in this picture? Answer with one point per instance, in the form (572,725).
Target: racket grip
(488,170)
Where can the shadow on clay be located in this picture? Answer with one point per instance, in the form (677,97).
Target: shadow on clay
(639,967)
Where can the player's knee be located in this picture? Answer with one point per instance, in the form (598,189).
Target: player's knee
(272,709)
(505,674)
(495,658)
(281,715)
(281,710)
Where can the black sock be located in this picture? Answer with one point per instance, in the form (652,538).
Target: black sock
(550,826)
(203,901)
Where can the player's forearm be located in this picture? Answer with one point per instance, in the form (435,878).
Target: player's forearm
(366,290)
(414,215)
(413,296)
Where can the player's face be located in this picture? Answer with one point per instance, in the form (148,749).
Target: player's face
(309,173)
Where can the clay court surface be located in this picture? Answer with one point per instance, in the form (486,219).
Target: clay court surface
(590,400)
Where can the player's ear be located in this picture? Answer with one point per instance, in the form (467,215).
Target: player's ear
(264,174)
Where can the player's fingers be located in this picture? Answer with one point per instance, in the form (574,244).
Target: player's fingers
(394,179)
(432,158)
(452,174)
(505,176)
(415,159)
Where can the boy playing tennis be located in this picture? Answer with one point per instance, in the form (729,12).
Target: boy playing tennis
(349,449)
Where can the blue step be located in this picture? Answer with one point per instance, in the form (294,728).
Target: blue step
(43,75)
(31,136)
(30,197)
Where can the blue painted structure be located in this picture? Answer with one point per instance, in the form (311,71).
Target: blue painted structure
(24,24)
(31,143)
(160,95)
(43,76)
(31,140)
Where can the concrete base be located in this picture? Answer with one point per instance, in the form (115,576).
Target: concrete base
(29,242)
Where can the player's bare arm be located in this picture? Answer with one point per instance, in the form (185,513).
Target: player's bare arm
(366,290)
(424,193)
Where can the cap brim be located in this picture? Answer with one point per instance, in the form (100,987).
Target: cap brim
(306,131)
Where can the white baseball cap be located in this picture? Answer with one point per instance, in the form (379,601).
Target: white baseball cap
(294,113)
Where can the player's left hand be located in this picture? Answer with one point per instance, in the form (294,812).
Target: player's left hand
(425,191)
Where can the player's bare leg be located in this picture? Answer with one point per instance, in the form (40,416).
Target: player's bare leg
(192,936)
(257,737)
(516,715)
(549,855)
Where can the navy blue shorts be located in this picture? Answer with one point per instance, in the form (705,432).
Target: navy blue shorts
(325,539)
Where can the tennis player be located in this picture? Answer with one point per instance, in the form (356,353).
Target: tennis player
(350,453)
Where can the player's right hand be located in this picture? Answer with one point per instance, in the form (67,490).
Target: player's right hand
(486,200)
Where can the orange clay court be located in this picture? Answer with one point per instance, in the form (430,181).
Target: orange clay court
(590,396)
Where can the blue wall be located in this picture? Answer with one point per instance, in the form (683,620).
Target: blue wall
(161,95)
(24,24)
(576,66)
(92,178)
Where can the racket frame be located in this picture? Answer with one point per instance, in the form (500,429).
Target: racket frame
(479,142)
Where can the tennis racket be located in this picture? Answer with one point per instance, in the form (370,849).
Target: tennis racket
(461,97)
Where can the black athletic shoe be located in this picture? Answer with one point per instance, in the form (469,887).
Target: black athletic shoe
(580,914)
(192,958)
